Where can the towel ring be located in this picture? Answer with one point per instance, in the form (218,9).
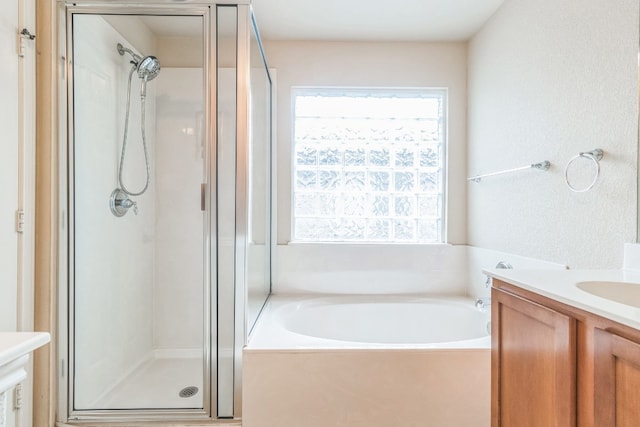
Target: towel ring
(595,156)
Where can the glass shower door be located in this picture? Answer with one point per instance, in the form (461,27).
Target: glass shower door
(138,164)
(259,187)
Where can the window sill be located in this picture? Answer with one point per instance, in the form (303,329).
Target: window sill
(343,243)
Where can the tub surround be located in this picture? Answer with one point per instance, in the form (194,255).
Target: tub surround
(380,388)
(340,268)
(292,377)
(333,382)
(438,269)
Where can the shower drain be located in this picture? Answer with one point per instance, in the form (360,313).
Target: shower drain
(188,391)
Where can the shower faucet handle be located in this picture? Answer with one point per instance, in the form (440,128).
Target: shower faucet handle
(120,203)
(128,204)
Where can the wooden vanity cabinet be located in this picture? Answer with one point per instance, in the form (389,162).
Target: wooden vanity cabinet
(616,380)
(533,364)
(556,365)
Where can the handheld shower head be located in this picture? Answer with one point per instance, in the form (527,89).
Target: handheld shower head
(148,67)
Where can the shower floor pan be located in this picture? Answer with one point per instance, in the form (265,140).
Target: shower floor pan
(159,383)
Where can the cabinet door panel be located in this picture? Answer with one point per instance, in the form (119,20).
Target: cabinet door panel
(617,381)
(533,364)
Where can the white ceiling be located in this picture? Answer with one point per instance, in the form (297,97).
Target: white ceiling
(372,20)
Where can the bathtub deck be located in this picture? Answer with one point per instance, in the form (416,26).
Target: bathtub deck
(270,333)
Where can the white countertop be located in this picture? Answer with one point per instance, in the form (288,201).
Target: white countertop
(560,285)
(15,350)
(14,345)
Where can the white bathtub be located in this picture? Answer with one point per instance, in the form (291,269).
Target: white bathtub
(367,361)
(371,322)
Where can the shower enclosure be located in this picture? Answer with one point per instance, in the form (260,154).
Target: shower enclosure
(166,233)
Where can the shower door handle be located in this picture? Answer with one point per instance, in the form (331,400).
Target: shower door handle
(203,197)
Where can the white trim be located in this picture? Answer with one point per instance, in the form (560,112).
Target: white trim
(27,168)
(26,195)
(274,175)
(242,159)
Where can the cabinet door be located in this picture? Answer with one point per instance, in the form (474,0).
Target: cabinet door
(533,363)
(616,381)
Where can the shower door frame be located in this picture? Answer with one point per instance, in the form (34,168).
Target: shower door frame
(66,285)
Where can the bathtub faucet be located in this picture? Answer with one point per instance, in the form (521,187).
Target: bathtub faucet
(483,303)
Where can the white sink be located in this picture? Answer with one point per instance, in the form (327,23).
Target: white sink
(15,348)
(623,292)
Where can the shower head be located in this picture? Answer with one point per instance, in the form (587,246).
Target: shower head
(148,67)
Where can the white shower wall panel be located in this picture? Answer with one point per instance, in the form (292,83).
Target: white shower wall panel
(114,257)
(179,221)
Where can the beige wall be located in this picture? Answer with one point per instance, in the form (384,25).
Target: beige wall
(547,80)
(372,65)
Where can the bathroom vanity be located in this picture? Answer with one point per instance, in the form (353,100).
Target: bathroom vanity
(565,349)
(15,349)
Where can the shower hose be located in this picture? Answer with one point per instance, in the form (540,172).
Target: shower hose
(124,141)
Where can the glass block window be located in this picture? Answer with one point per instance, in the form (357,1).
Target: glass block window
(369,165)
